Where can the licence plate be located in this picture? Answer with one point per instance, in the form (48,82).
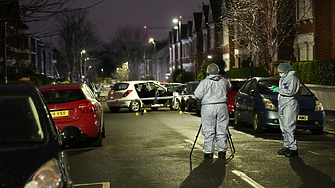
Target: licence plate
(302,118)
(114,103)
(63,113)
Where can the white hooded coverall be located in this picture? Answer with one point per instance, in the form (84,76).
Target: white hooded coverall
(212,92)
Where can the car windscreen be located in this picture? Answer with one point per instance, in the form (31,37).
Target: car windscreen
(266,85)
(120,86)
(63,96)
(236,85)
(19,120)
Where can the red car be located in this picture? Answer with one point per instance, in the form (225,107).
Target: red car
(76,105)
(237,84)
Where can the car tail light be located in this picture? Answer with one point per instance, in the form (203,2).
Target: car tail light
(86,107)
(229,96)
(127,93)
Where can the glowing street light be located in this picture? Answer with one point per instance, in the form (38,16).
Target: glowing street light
(81,64)
(151,40)
(181,43)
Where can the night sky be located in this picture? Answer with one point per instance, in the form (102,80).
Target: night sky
(157,15)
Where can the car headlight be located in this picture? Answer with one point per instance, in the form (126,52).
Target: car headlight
(318,106)
(48,175)
(269,105)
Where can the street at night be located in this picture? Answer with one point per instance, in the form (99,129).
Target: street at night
(153,150)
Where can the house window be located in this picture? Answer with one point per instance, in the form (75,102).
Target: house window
(305,10)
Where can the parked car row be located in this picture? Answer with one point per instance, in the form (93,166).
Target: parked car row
(257,105)
(36,124)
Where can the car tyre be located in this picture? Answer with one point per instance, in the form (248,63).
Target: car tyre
(316,131)
(98,141)
(103,131)
(256,125)
(135,106)
(175,105)
(188,106)
(114,109)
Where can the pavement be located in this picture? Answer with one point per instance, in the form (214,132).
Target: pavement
(330,122)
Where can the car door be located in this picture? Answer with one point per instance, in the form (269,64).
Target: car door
(239,102)
(249,101)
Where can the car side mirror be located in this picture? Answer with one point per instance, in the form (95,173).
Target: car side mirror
(252,93)
(70,135)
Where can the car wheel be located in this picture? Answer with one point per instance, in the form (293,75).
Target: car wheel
(175,105)
(154,108)
(98,141)
(103,131)
(114,109)
(135,106)
(316,131)
(188,106)
(256,125)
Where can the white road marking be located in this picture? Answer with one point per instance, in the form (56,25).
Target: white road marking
(313,152)
(104,184)
(332,159)
(196,145)
(247,179)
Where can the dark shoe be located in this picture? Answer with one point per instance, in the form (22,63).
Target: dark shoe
(283,151)
(208,156)
(222,154)
(291,153)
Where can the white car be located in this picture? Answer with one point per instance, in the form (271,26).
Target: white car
(138,94)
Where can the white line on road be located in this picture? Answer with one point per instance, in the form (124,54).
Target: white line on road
(247,179)
(104,184)
(313,152)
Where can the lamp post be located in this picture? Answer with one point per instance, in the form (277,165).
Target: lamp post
(81,64)
(151,40)
(85,67)
(181,43)
(102,74)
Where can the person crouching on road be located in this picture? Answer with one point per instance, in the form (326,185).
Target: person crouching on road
(288,107)
(212,92)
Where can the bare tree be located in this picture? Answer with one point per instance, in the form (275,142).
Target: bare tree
(41,10)
(128,43)
(76,34)
(260,27)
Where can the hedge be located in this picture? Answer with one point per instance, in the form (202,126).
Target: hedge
(245,72)
(316,72)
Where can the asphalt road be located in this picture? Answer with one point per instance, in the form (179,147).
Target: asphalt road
(153,150)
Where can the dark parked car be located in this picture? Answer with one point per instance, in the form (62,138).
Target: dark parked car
(30,144)
(256,104)
(190,101)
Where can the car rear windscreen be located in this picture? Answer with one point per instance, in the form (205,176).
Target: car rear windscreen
(236,85)
(63,96)
(120,86)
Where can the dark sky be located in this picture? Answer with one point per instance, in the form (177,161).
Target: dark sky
(111,14)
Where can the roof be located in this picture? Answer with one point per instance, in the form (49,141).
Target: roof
(17,89)
(60,87)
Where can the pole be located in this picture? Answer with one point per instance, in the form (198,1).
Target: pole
(155,60)
(195,141)
(5,53)
(181,45)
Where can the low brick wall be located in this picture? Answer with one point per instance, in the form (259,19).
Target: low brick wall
(326,94)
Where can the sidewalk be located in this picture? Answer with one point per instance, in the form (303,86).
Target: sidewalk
(330,122)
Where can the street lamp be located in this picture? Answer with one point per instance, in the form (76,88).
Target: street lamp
(81,64)
(102,74)
(181,43)
(151,40)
